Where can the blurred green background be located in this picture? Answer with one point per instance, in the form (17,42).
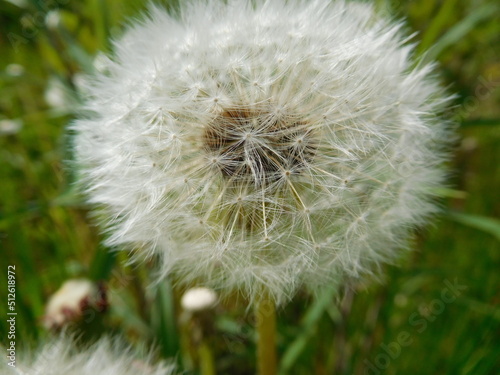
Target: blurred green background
(45,232)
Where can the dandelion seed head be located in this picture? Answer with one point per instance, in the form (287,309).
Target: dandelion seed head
(268,144)
(110,356)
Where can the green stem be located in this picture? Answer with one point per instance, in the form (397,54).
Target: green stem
(265,318)
(207,362)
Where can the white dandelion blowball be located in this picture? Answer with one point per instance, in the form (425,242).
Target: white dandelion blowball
(263,144)
(108,356)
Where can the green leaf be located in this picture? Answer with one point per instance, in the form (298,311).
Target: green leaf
(309,322)
(101,17)
(486,224)
(164,320)
(437,25)
(460,30)
(123,309)
(449,193)
(102,264)
(481,122)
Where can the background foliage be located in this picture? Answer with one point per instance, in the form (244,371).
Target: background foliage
(45,233)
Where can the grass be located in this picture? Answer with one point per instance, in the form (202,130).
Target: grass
(45,232)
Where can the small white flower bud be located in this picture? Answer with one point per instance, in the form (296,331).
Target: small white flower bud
(198,299)
(53,19)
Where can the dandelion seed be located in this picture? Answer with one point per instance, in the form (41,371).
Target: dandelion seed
(306,143)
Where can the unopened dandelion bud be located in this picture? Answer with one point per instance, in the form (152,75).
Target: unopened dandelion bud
(198,299)
(72,302)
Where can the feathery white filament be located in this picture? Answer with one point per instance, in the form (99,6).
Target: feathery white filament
(106,357)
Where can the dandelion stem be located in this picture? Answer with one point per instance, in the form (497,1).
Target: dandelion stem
(265,318)
(207,363)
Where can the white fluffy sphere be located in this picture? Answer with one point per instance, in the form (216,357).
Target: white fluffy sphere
(106,357)
(263,145)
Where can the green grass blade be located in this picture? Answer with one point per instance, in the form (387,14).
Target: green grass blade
(309,322)
(102,264)
(460,30)
(164,320)
(101,13)
(437,25)
(486,224)
(481,122)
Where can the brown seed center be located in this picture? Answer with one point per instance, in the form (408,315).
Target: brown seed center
(256,145)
